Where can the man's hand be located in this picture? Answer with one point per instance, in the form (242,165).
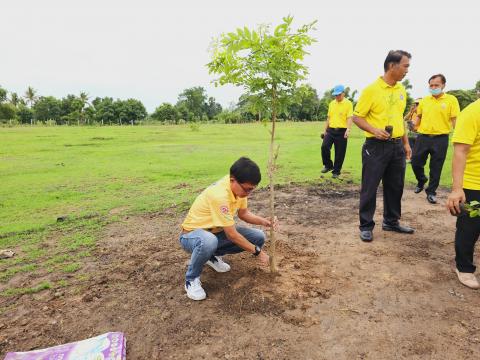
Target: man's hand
(380,134)
(408,151)
(454,199)
(263,258)
(410,125)
(347,133)
(268,223)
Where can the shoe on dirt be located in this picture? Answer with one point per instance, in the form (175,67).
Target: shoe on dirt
(366,235)
(419,187)
(468,279)
(335,176)
(194,289)
(325,170)
(431,199)
(217,264)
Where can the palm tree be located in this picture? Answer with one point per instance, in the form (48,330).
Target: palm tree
(31,97)
(83,102)
(14,99)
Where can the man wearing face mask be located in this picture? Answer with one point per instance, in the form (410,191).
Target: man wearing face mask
(209,231)
(436,115)
(337,129)
(379,112)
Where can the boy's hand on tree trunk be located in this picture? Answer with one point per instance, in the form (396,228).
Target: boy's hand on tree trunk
(263,258)
(268,223)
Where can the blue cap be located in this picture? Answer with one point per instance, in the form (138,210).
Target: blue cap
(337,90)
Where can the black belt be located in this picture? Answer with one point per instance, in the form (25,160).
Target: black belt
(433,136)
(337,128)
(393,140)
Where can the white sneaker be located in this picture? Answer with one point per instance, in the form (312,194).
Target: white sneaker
(218,264)
(468,279)
(194,289)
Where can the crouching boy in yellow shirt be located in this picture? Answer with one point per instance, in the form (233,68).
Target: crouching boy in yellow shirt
(209,230)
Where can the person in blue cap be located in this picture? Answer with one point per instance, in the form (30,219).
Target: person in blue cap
(337,129)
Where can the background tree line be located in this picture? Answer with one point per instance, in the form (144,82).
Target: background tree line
(193,105)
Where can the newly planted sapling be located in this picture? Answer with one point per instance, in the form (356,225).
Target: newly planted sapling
(269,67)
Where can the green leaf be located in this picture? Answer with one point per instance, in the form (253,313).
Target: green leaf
(280,30)
(248,35)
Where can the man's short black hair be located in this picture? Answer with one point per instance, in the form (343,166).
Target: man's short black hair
(441,76)
(245,170)
(394,57)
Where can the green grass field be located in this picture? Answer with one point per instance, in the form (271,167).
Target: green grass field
(78,172)
(93,175)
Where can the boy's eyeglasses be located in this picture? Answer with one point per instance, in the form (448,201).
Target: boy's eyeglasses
(247,191)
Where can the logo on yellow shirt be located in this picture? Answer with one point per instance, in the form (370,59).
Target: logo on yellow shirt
(224,210)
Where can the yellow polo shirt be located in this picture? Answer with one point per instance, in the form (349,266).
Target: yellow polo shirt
(339,112)
(214,208)
(437,114)
(467,131)
(381,104)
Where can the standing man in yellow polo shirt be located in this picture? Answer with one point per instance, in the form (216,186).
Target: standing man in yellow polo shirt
(209,230)
(466,188)
(379,112)
(435,116)
(337,129)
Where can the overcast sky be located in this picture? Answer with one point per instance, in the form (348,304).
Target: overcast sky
(152,50)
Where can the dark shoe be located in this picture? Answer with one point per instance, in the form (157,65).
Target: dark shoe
(398,228)
(419,187)
(325,170)
(432,199)
(366,235)
(335,176)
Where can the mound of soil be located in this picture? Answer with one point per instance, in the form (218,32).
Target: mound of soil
(334,298)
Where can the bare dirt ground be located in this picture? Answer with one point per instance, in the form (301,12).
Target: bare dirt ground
(335,297)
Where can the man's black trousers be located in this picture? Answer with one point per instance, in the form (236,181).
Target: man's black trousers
(468,231)
(336,137)
(385,161)
(436,147)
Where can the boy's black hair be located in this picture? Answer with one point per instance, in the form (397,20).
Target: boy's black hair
(245,170)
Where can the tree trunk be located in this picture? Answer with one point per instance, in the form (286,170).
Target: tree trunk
(271,173)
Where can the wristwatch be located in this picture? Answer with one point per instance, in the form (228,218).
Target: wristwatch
(257,250)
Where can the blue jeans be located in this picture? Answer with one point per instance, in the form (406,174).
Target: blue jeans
(203,245)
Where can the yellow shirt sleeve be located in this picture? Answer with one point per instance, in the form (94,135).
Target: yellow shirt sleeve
(455,108)
(364,104)
(220,211)
(420,108)
(466,130)
(350,110)
(329,114)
